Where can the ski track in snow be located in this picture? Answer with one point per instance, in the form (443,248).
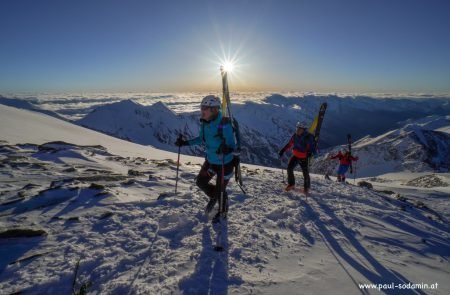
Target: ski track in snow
(100,207)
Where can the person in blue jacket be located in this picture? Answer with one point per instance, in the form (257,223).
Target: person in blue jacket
(216,133)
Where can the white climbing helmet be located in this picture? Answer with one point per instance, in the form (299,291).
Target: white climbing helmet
(301,124)
(210,101)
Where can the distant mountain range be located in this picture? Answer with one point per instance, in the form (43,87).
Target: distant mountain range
(265,124)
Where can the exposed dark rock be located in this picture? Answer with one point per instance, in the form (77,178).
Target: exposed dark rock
(365,184)
(22,233)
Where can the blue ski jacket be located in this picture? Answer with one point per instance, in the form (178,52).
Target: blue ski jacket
(211,136)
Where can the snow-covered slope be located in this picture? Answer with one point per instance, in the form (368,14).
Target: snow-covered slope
(28,105)
(418,146)
(265,124)
(82,201)
(154,125)
(21,126)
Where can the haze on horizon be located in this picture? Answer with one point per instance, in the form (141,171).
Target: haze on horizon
(174,46)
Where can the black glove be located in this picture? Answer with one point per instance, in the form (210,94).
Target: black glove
(280,153)
(181,142)
(224,149)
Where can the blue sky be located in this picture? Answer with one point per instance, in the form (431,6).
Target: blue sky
(158,46)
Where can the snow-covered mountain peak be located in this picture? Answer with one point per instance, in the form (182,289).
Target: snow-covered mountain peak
(428,123)
(415,147)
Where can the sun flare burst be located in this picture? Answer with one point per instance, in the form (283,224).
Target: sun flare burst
(228,66)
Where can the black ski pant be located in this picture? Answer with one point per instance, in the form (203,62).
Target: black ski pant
(207,172)
(293,162)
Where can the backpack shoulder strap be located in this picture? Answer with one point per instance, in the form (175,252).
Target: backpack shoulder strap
(223,122)
(203,131)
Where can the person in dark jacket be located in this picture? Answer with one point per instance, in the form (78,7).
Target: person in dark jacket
(216,133)
(303,145)
(345,160)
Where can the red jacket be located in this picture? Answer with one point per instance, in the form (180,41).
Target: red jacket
(344,159)
(304,145)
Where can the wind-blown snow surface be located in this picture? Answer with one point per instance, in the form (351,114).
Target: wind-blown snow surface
(96,205)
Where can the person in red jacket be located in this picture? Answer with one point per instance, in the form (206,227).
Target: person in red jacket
(345,160)
(304,146)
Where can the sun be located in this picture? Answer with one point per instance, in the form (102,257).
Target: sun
(227,63)
(228,66)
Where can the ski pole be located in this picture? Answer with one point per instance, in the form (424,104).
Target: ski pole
(222,229)
(178,164)
(349,142)
(354,174)
(282,170)
(222,185)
